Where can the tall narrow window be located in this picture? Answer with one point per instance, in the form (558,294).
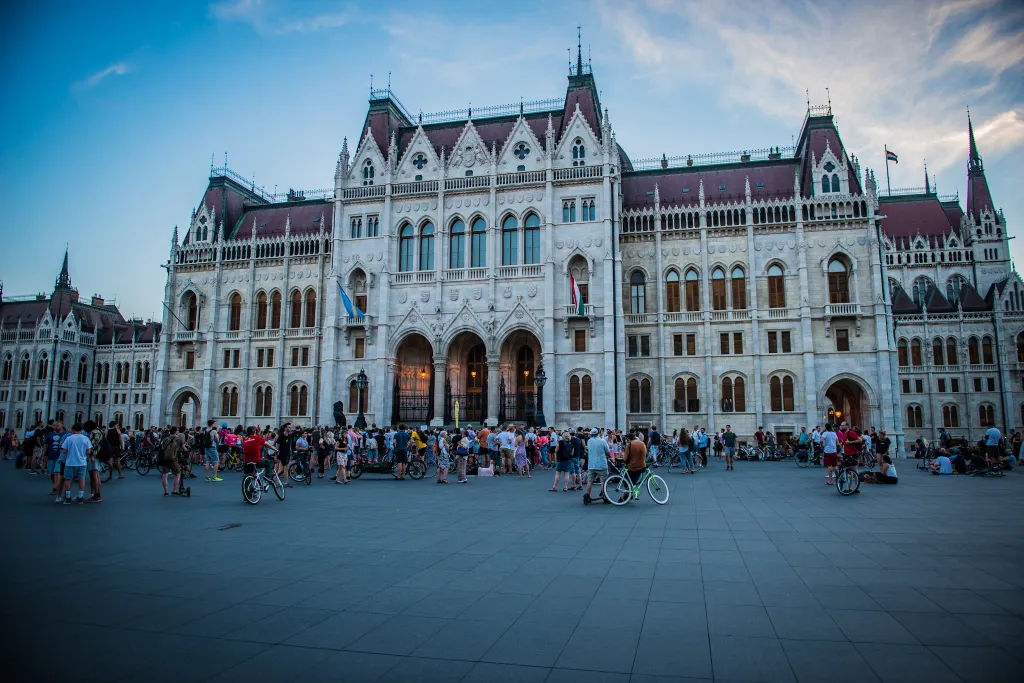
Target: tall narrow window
(478,258)
(427,246)
(718,289)
(903,353)
(952,357)
(296,309)
(634,396)
(235,312)
(775,390)
(739,289)
(637,292)
(776,287)
(510,241)
(261,311)
(835,182)
(457,248)
(645,395)
(826,186)
(915,352)
(787,393)
(574,392)
(672,291)
(728,404)
(973,351)
(579,153)
(838,282)
(275,311)
(1020,347)
(692,291)
(587,391)
(191,311)
(368,172)
(937,351)
(740,395)
(310,308)
(531,240)
(405,249)
(987,355)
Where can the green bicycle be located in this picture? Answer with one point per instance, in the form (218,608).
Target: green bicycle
(619,489)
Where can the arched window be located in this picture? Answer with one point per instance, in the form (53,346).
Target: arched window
(775,391)
(835,182)
(229,401)
(531,240)
(914,417)
(64,373)
(579,153)
(574,392)
(952,357)
(672,302)
(264,401)
(950,416)
(686,398)
(191,311)
(826,187)
(776,287)
(953,286)
(692,290)
(368,172)
(728,405)
(637,292)
(587,390)
(298,401)
(117,373)
(592,211)
(838,282)
(645,395)
(987,356)
(937,352)
(986,415)
(138,372)
(787,393)
(235,312)
(106,373)
(973,351)
(919,290)
(915,353)
(634,396)
(509,241)
(275,311)
(1020,349)
(43,367)
(357,400)
(739,288)
(739,395)
(478,248)
(718,289)
(427,246)
(457,245)
(83,370)
(261,311)
(310,308)
(405,249)
(296,309)
(9,368)
(145,372)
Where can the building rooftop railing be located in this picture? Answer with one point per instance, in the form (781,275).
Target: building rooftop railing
(492,111)
(665,161)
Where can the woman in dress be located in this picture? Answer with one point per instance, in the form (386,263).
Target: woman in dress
(522,459)
(341,453)
(443,457)
(461,453)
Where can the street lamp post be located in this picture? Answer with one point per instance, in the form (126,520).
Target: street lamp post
(539,379)
(361,382)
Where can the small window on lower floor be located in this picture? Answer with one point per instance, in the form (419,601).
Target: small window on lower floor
(787,344)
(942,385)
(645,345)
(954,385)
(842,340)
(919,386)
(991,383)
(677,344)
(579,341)
(633,346)
(737,342)
(977,384)
(360,348)
(906,386)
(691,345)
(190,360)
(723,343)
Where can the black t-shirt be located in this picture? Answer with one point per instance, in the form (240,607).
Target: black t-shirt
(959,464)
(564,451)
(577,447)
(882,446)
(655,438)
(284,445)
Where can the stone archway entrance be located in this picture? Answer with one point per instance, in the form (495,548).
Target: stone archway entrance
(413,388)
(849,402)
(517,393)
(466,380)
(186,409)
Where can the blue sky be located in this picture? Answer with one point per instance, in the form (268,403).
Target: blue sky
(111,115)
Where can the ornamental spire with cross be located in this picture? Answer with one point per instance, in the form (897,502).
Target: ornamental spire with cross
(579,50)
(64,279)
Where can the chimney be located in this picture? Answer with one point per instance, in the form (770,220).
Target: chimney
(97,300)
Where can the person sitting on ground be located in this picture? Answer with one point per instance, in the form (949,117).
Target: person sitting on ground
(941,464)
(887,475)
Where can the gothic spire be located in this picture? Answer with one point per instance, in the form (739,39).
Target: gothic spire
(579,51)
(974,160)
(927,184)
(64,279)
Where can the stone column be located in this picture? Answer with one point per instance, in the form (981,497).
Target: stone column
(492,390)
(440,370)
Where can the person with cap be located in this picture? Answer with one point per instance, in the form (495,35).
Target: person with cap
(597,462)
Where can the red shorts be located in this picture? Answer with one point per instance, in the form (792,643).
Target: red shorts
(831,459)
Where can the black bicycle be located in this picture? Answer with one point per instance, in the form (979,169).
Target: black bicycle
(848,478)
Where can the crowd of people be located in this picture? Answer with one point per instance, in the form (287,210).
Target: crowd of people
(579,457)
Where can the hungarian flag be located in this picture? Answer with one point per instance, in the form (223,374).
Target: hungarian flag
(891,156)
(577,300)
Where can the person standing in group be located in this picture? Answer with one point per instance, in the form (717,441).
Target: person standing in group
(401,445)
(100,449)
(542,448)
(485,455)
(461,454)
(443,458)
(729,441)
(636,458)
(654,441)
(684,443)
(324,449)
(830,453)
(506,442)
(882,444)
(341,454)
(170,447)
(563,457)
(521,456)
(577,457)
(211,440)
(53,454)
(597,463)
(993,450)
(74,451)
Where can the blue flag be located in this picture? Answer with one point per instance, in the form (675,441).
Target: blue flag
(352,311)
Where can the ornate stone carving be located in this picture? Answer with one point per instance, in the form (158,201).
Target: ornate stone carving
(478,292)
(532,291)
(453,295)
(425,295)
(507,292)
(402,297)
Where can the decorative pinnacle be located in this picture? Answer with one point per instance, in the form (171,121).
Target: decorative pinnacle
(579,50)
(64,279)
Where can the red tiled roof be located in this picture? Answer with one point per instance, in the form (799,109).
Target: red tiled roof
(908,215)
(954,214)
(493,132)
(303,215)
(978,196)
(776,177)
(902,303)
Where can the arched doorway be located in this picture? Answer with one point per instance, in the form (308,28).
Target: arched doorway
(186,409)
(466,381)
(845,399)
(413,388)
(517,393)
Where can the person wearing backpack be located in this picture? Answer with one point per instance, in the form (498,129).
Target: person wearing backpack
(210,442)
(170,447)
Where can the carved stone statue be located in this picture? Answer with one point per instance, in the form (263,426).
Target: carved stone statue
(339,413)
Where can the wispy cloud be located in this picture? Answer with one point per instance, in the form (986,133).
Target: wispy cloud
(115,69)
(268,19)
(899,73)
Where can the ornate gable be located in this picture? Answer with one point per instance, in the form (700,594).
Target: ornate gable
(521,151)
(202,228)
(470,153)
(419,162)
(368,156)
(579,138)
(519,317)
(834,169)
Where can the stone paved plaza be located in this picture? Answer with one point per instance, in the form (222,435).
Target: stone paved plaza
(762,574)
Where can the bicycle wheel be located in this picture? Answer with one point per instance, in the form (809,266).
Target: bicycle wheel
(618,489)
(847,482)
(806,462)
(251,490)
(278,486)
(130,461)
(144,465)
(295,472)
(106,471)
(658,488)
(417,470)
(698,462)
(186,469)
(355,471)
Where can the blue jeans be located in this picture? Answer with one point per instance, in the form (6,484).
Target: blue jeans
(544,457)
(686,458)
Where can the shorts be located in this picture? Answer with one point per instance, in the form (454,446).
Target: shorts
(596,476)
(831,459)
(54,466)
(654,449)
(729,450)
(341,457)
(575,465)
(564,466)
(92,466)
(172,467)
(401,457)
(72,472)
(506,453)
(992,452)
(282,458)
(211,456)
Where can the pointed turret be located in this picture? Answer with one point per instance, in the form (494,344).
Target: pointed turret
(979,198)
(974,159)
(64,279)
(927,183)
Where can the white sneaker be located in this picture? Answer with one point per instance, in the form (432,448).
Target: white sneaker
(60,499)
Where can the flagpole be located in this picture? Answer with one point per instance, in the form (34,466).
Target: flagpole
(888,186)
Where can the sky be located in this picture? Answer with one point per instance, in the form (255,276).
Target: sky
(112,111)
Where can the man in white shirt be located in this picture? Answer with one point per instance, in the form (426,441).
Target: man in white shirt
(830,447)
(74,451)
(507,439)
